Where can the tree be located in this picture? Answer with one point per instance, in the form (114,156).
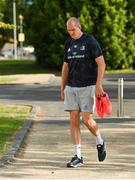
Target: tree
(85,18)
(3,26)
(47,30)
(105,19)
(6,20)
(130,33)
(110,19)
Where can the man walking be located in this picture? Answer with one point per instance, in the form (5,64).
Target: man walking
(82,77)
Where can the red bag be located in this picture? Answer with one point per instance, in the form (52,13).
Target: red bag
(103,105)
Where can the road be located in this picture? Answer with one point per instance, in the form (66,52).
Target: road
(52,93)
(41,94)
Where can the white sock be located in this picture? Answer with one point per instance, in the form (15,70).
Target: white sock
(78,150)
(99,139)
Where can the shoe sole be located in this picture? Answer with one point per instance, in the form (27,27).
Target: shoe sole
(74,166)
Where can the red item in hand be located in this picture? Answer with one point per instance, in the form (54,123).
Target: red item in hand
(103,105)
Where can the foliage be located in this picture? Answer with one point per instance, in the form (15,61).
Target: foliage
(1,8)
(6,19)
(49,27)
(111,22)
(130,33)
(6,26)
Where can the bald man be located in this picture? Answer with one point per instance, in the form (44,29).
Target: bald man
(82,77)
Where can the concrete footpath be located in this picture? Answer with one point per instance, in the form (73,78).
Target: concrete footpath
(47,148)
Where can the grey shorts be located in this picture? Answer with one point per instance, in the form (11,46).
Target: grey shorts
(82,99)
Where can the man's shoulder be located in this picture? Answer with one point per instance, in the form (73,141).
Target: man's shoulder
(90,37)
(68,39)
(67,42)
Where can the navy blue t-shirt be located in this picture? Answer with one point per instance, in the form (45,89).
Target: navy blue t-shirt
(80,55)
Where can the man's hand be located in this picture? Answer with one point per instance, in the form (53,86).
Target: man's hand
(99,90)
(101,68)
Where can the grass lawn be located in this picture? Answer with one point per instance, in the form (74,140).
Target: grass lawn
(12,117)
(120,71)
(4,80)
(9,67)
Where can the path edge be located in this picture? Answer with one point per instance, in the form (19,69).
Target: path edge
(19,138)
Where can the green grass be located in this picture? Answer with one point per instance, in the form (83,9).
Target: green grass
(10,67)
(120,71)
(11,120)
(4,80)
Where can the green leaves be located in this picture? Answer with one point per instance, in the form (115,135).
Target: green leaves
(110,31)
(85,19)
(6,26)
(110,21)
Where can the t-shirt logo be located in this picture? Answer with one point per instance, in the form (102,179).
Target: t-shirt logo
(74,53)
(75,46)
(82,48)
(69,49)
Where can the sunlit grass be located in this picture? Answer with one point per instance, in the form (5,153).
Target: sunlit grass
(10,67)
(4,80)
(11,120)
(120,71)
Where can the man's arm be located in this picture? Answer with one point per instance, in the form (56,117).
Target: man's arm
(101,68)
(64,78)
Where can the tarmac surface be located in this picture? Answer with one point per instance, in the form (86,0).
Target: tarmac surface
(47,147)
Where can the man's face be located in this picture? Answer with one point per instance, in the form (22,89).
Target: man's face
(73,30)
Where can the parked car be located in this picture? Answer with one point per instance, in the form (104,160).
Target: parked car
(8,53)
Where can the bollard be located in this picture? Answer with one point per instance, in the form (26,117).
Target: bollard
(120,97)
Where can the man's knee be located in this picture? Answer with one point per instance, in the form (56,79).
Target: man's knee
(88,119)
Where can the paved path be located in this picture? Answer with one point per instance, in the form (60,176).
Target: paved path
(48,147)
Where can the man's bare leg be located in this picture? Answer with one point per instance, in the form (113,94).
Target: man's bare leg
(75,131)
(92,126)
